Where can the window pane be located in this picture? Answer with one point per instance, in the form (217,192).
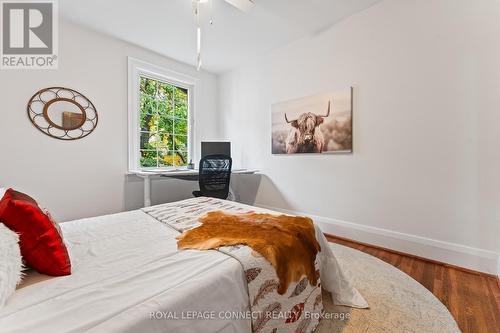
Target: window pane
(165,125)
(142,84)
(156,141)
(165,108)
(148,104)
(165,142)
(180,142)
(181,103)
(181,158)
(181,126)
(148,140)
(148,158)
(148,86)
(166,158)
(165,91)
(148,110)
(148,123)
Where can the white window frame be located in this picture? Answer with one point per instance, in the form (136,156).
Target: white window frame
(136,69)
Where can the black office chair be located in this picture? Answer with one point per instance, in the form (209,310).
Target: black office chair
(215,174)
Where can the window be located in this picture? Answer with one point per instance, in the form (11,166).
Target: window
(164,124)
(160,117)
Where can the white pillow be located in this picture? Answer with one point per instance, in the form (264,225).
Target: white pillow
(11,265)
(2,191)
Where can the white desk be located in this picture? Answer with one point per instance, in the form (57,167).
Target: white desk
(147,176)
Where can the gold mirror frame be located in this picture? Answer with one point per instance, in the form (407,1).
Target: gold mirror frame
(38,113)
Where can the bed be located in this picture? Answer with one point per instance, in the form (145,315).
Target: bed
(128,276)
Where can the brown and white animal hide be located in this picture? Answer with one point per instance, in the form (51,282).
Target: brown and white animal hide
(287,242)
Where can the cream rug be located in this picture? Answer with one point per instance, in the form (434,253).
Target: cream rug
(397,302)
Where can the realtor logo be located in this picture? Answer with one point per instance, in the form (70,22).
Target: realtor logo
(29,34)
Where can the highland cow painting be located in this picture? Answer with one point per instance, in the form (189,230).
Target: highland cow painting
(316,124)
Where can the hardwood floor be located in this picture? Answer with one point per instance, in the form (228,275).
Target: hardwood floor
(473,298)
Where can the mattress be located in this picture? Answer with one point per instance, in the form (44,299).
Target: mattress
(128,276)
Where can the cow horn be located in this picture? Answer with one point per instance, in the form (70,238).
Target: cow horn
(327,112)
(288,121)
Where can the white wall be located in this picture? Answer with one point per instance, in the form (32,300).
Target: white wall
(424,176)
(87,177)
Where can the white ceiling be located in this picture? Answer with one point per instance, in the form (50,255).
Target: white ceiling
(168,27)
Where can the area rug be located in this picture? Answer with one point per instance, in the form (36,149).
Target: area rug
(398,303)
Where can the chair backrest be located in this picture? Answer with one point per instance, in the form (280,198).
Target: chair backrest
(215,175)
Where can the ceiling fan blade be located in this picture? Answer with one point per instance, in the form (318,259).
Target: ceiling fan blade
(243,5)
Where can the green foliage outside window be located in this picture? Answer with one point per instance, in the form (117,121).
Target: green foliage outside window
(164,124)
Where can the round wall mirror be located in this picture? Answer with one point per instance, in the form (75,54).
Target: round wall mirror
(65,114)
(62,113)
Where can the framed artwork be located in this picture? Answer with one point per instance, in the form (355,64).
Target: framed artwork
(317,124)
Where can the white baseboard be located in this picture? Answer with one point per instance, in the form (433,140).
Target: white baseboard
(446,252)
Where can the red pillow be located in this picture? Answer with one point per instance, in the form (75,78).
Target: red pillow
(42,246)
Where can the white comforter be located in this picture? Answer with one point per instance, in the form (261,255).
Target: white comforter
(128,276)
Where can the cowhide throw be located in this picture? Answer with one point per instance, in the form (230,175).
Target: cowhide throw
(287,242)
(297,309)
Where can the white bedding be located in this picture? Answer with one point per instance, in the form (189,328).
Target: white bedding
(126,268)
